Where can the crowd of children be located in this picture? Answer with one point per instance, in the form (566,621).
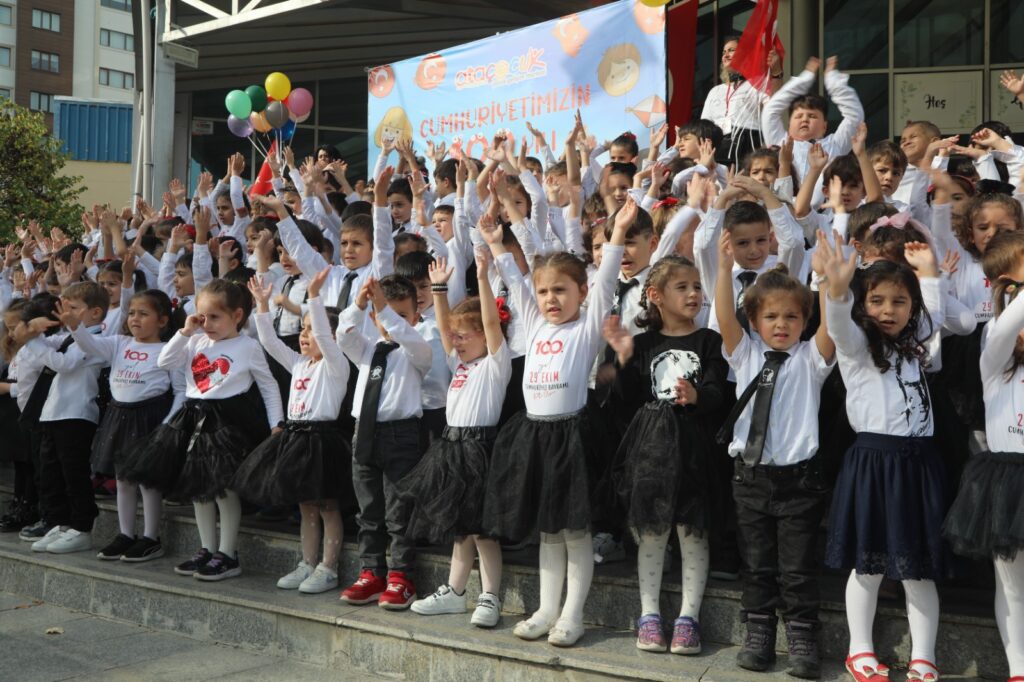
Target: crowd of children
(561,352)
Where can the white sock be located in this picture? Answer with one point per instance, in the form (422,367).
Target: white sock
(923,614)
(206,522)
(696,563)
(490,564)
(152,508)
(650,560)
(861,601)
(1010,610)
(463,551)
(230,522)
(127,506)
(552,576)
(579,550)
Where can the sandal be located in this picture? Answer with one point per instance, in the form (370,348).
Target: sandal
(916,674)
(879,673)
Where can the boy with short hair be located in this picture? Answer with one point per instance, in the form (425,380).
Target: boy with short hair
(919,140)
(387,409)
(68,417)
(890,164)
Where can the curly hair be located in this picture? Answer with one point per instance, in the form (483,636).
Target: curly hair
(906,344)
(964,229)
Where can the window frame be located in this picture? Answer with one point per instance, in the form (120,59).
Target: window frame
(127,39)
(120,6)
(10,56)
(127,78)
(50,16)
(10,12)
(39,98)
(50,59)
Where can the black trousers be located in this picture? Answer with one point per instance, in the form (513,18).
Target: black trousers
(396,450)
(432,425)
(64,473)
(778,512)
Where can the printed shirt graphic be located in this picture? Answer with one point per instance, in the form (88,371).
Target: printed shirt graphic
(671,366)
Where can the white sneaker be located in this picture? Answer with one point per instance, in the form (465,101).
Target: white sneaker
(607,549)
(321,580)
(487,612)
(444,600)
(52,535)
(69,541)
(296,577)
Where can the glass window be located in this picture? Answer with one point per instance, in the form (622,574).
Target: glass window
(938,33)
(40,101)
(6,15)
(340,103)
(117,79)
(48,21)
(873,90)
(5,56)
(123,5)
(705,74)
(1006,19)
(117,40)
(5,93)
(45,61)
(858,32)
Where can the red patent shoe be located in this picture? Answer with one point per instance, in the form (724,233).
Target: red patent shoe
(916,675)
(878,673)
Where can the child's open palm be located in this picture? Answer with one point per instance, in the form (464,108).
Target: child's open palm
(921,258)
(618,337)
(490,230)
(316,283)
(439,271)
(839,270)
(260,293)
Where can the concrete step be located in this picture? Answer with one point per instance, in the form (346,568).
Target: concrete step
(968,644)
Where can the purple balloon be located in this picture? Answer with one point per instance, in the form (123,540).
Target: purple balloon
(239,126)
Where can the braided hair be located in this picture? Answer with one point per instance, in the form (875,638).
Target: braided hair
(661,273)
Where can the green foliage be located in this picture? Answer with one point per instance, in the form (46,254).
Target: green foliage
(31,184)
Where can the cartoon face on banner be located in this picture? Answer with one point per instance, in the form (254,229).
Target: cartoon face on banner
(607,62)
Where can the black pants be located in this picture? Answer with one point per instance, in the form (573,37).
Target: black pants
(64,473)
(778,511)
(396,450)
(26,474)
(432,425)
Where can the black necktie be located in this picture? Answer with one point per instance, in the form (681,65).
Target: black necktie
(621,289)
(764,385)
(371,401)
(346,290)
(285,291)
(746,278)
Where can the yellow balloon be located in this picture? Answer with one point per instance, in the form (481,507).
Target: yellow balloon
(654,3)
(277,85)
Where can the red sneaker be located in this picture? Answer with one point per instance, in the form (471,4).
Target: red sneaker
(401,593)
(368,588)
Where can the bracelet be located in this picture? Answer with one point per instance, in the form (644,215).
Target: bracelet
(818,280)
(439,288)
(776,75)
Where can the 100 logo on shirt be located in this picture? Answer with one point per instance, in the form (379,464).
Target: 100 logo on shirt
(138,355)
(549,347)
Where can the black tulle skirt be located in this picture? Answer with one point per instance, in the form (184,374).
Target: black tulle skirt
(443,496)
(196,454)
(306,462)
(123,426)
(987,517)
(662,476)
(543,476)
(887,509)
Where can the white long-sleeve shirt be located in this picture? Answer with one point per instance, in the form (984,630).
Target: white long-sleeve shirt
(1003,394)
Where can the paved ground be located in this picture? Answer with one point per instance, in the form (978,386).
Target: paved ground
(91,648)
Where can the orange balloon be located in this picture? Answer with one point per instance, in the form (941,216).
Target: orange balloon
(381,81)
(259,122)
(430,73)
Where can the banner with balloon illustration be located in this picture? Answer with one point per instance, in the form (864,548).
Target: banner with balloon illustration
(272,110)
(608,62)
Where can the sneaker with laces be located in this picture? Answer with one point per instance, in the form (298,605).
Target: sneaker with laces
(219,567)
(607,549)
(650,635)
(320,580)
(487,612)
(198,560)
(116,548)
(686,636)
(51,536)
(144,549)
(70,541)
(295,578)
(444,600)
(37,530)
(366,589)
(758,652)
(400,594)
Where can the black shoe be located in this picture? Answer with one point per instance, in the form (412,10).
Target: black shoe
(35,531)
(198,560)
(219,567)
(143,549)
(804,659)
(758,651)
(20,514)
(115,549)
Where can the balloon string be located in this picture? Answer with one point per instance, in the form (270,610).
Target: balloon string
(252,140)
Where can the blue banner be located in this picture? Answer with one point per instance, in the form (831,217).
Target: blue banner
(608,62)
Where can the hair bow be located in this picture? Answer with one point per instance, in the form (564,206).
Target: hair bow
(504,314)
(900,221)
(629,135)
(667,202)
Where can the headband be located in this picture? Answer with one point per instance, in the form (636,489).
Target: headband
(899,222)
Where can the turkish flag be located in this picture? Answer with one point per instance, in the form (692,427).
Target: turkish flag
(759,38)
(263,184)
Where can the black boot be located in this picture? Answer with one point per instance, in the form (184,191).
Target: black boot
(758,651)
(804,659)
(13,519)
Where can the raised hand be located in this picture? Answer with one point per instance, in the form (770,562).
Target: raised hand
(316,282)
(725,257)
(261,293)
(490,230)
(817,158)
(439,271)
(707,153)
(951,263)
(625,216)
(177,191)
(69,318)
(128,264)
(838,270)
(618,337)
(921,258)
(1012,82)
(859,139)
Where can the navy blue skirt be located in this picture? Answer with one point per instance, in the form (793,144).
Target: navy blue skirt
(888,508)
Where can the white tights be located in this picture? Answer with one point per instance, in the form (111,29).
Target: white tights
(922,613)
(1010,610)
(127,504)
(309,532)
(564,554)
(463,551)
(230,521)
(651,560)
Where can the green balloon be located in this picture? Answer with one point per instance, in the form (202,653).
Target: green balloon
(258,97)
(238,103)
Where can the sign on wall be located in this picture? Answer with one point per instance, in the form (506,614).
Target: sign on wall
(951,100)
(608,62)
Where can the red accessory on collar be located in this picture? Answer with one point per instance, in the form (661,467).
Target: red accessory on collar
(665,203)
(504,314)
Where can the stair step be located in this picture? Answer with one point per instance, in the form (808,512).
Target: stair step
(968,644)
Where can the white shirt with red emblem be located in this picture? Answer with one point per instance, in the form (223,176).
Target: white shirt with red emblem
(477,390)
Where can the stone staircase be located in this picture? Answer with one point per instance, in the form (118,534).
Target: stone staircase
(251,612)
